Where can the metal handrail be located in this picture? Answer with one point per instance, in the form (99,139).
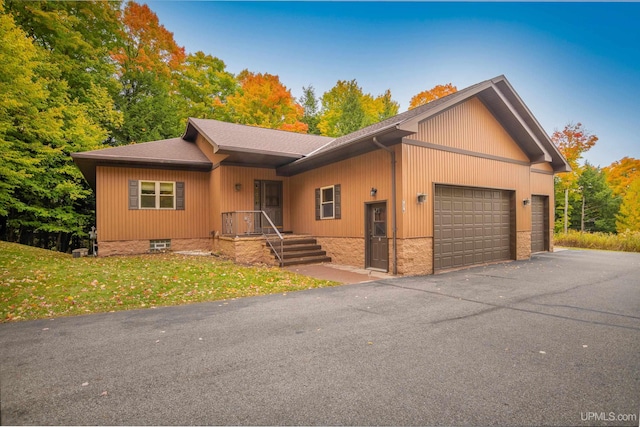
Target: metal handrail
(251,229)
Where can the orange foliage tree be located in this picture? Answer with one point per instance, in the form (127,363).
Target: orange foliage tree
(148,62)
(148,45)
(265,102)
(620,174)
(432,94)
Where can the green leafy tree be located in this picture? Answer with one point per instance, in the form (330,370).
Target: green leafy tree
(43,118)
(629,216)
(203,86)
(346,108)
(148,62)
(600,205)
(311,109)
(572,141)
(78,36)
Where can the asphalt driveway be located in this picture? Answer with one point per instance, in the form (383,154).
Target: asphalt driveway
(550,341)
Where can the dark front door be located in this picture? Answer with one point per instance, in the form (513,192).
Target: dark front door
(267,197)
(377,246)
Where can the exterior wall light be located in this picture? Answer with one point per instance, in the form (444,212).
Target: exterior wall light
(238,186)
(525,202)
(422,197)
(374,191)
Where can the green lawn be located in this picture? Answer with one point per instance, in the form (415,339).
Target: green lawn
(37,283)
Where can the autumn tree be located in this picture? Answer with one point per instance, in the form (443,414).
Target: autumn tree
(572,141)
(265,102)
(346,108)
(629,215)
(203,86)
(620,174)
(438,91)
(148,62)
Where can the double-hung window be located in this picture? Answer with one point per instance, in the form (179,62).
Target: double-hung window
(327,210)
(328,202)
(157,195)
(163,195)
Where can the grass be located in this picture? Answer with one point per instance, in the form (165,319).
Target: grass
(37,283)
(628,241)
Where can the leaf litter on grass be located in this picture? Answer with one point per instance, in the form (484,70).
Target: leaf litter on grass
(37,283)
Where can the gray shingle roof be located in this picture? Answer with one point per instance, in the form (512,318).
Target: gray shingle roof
(167,153)
(235,137)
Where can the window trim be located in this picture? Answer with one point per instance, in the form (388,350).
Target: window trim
(332,202)
(157,195)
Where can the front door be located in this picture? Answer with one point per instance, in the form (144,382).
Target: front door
(377,246)
(267,197)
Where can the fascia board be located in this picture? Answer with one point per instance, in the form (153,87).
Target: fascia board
(547,141)
(215,146)
(546,156)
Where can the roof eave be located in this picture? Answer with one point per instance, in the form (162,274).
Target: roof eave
(388,134)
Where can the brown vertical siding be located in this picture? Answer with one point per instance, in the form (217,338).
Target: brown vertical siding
(425,167)
(470,126)
(231,200)
(356,177)
(116,222)
(215,196)
(207,149)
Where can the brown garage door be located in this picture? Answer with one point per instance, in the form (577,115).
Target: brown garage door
(471,226)
(539,223)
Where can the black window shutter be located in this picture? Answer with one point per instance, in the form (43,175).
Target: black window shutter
(337,213)
(317,204)
(180,196)
(133,194)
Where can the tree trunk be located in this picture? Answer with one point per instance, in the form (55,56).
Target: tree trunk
(582,216)
(566,210)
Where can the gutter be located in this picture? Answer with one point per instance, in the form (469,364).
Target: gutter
(394,223)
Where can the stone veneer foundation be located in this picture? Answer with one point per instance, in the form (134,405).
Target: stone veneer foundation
(344,250)
(244,250)
(415,256)
(133,247)
(523,245)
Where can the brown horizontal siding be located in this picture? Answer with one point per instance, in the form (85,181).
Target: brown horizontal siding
(116,222)
(425,167)
(356,177)
(470,126)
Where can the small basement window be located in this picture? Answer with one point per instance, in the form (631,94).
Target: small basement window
(159,245)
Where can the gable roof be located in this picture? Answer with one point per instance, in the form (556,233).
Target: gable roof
(496,94)
(168,153)
(292,153)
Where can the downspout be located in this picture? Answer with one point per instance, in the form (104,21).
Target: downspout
(394,222)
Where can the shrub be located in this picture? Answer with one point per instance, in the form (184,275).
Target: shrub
(629,241)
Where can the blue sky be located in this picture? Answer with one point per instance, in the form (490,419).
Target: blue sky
(570,62)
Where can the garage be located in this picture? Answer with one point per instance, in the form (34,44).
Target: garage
(539,224)
(472,226)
